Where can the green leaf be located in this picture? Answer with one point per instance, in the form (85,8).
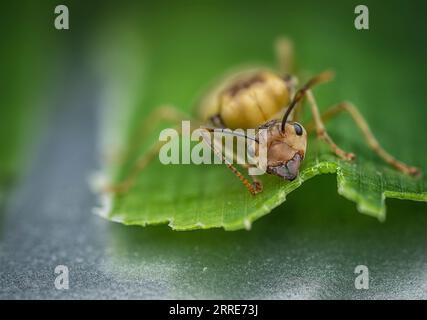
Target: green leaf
(200,197)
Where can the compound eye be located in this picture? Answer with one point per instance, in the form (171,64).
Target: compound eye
(298,129)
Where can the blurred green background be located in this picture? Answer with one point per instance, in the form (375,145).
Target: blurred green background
(138,55)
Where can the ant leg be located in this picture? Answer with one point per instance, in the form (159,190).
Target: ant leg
(252,188)
(285,58)
(368,135)
(149,124)
(127,183)
(257,183)
(321,130)
(284,48)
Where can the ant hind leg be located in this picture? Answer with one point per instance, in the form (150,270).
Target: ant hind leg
(284,48)
(148,125)
(128,182)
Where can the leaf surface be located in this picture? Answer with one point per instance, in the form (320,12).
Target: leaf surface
(199,197)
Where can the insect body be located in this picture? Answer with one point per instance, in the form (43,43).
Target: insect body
(247,100)
(255,99)
(264,99)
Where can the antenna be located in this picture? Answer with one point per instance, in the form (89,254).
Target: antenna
(320,78)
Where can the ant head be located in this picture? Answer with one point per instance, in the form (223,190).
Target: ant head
(288,140)
(286,149)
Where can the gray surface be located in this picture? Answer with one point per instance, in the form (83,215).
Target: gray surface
(295,252)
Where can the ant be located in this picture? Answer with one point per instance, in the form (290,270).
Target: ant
(265,99)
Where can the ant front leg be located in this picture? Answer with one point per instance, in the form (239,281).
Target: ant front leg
(256,183)
(321,130)
(368,136)
(253,188)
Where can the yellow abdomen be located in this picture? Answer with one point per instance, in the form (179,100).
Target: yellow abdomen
(247,100)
